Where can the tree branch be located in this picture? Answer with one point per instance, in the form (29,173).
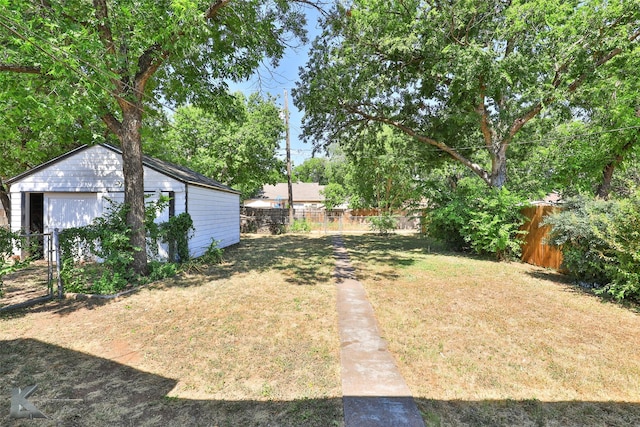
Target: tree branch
(25,69)
(112,123)
(214,8)
(573,86)
(102,15)
(148,64)
(477,169)
(317,5)
(485,126)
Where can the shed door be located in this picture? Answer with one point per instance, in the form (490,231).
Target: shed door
(71,209)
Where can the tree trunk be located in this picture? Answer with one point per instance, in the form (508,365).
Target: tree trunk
(4,199)
(499,167)
(134,183)
(605,186)
(607,173)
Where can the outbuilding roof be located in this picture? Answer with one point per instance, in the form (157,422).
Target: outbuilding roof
(169,169)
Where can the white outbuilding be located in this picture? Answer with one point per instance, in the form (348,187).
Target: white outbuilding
(72,190)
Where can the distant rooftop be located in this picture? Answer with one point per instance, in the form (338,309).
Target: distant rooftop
(302,192)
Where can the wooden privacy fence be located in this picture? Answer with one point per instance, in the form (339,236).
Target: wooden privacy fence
(535,251)
(269,219)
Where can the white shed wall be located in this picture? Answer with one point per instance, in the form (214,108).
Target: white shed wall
(93,170)
(215,215)
(16,211)
(96,172)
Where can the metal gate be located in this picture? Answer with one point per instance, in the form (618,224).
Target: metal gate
(34,284)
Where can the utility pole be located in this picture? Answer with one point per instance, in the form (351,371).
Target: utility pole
(288,139)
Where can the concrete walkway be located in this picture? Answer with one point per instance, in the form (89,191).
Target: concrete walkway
(374,393)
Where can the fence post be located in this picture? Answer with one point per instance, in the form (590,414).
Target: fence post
(49,241)
(56,243)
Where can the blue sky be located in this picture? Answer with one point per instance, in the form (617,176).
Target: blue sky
(275,81)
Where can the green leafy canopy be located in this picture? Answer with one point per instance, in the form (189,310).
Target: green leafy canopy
(460,77)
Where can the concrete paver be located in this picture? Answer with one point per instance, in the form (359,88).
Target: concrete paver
(374,392)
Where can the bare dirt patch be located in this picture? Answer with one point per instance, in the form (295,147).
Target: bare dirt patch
(500,344)
(252,342)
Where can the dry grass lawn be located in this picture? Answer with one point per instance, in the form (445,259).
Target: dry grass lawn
(251,342)
(486,343)
(254,342)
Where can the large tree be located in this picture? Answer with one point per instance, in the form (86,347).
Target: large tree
(463,77)
(312,170)
(613,121)
(590,148)
(121,57)
(36,126)
(240,151)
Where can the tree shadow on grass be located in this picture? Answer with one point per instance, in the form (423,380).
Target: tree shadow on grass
(304,260)
(570,285)
(395,251)
(532,412)
(79,389)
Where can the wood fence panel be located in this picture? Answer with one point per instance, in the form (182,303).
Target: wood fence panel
(535,251)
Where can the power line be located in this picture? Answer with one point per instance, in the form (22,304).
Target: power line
(67,56)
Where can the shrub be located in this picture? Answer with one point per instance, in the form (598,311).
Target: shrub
(300,226)
(213,254)
(177,232)
(107,238)
(601,243)
(161,270)
(383,224)
(475,217)
(277,228)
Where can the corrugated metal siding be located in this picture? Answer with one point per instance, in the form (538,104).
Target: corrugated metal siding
(215,215)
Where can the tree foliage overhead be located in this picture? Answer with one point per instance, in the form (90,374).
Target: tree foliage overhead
(590,148)
(240,151)
(33,129)
(119,58)
(384,174)
(462,77)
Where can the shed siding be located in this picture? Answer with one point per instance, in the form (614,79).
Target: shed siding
(215,215)
(96,173)
(16,211)
(93,170)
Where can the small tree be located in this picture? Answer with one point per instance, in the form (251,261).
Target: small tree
(334,195)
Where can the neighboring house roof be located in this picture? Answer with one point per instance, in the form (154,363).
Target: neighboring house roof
(172,170)
(302,192)
(554,198)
